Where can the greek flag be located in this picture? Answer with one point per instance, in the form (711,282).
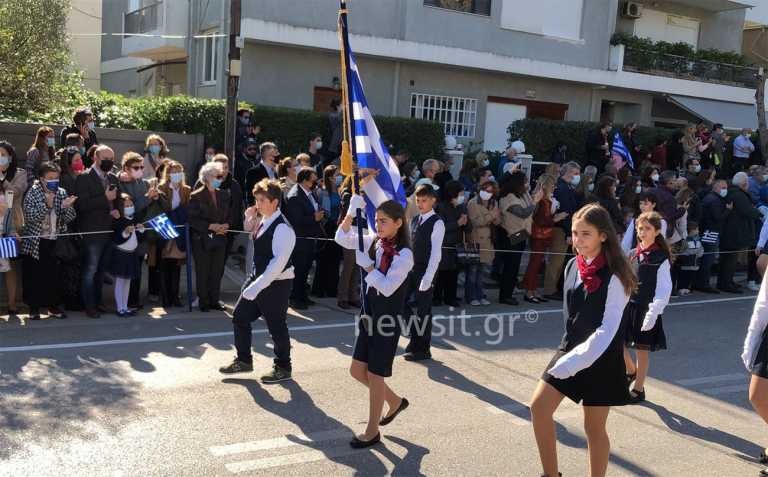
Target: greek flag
(620,151)
(369,149)
(8,247)
(163,225)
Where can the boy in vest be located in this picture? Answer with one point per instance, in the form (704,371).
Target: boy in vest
(427,232)
(268,288)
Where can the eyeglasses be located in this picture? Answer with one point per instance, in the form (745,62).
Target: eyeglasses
(220,177)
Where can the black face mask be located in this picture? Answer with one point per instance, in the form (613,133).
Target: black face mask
(251,153)
(106,165)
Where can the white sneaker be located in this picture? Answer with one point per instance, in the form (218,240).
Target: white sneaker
(474,303)
(684,292)
(753,286)
(485,302)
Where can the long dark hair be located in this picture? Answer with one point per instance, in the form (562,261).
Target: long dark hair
(654,220)
(13,165)
(330,185)
(596,216)
(395,211)
(515,184)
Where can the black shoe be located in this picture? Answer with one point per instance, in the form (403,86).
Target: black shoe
(763,473)
(276,375)
(237,366)
(554,297)
(217,307)
(35,317)
(710,290)
(453,304)
(532,299)
(122,314)
(13,312)
(512,301)
(731,289)
(309,302)
(559,474)
(344,305)
(204,309)
(355,303)
(636,397)
(402,407)
(630,378)
(57,313)
(358,444)
(299,305)
(763,459)
(418,356)
(92,313)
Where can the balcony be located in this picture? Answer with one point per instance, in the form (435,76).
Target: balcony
(661,64)
(716,6)
(157,31)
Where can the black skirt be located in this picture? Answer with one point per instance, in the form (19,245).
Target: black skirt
(651,340)
(602,384)
(376,343)
(124,264)
(760,366)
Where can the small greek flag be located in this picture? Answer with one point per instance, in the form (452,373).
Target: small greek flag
(163,225)
(620,151)
(8,247)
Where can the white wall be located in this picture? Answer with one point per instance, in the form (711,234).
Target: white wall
(85,18)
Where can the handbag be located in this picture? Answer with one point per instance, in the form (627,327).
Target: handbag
(65,249)
(213,242)
(172,251)
(518,237)
(467,253)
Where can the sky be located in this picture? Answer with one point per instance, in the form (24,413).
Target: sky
(759,13)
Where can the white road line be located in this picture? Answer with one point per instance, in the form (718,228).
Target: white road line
(290,459)
(736,388)
(159,339)
(512,410)
(712,379)
(280,442)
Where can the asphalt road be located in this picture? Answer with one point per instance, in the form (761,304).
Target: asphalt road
(143,397)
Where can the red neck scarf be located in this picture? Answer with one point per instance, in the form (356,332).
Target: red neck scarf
(588,272)
(641,252)
(388,245)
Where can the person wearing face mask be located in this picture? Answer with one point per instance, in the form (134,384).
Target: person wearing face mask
(71,164)
(410,174)
(742,149)
(42,150)
(13,185)
(326,280)
(83,125)
(174,200)
(335,120)
(287,171)
(714,208)
(468,175)
(209,222)
(97,190)
(155,150)
(692,170)
(307,217)
(738,232)
(47,212)
(266,169)
(453,211)
(125,262)
(317,160)
(484,214)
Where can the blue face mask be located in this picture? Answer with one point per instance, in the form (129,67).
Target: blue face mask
(82,151)
(50,141)
(723,192)
(154,149)
(216,184)
(128,211)
(52,186)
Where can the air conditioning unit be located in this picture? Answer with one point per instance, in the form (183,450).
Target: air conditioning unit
(632,10)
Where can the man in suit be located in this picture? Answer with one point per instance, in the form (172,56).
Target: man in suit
(97,187)
(267,168)
(306,216)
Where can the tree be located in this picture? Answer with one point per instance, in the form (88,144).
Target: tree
(35,64)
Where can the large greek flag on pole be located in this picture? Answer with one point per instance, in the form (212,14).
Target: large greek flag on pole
(369,149)
(8,247)
(163,226)
(619,149)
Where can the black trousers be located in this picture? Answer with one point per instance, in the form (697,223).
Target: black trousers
(302,262)
(209,270)
(40,278)
(728,261)
(447,283)
(134,295)
(272,304)
(419,319)
(510,267)
(326,281)
(170,277)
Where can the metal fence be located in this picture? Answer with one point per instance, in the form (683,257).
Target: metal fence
(647,61)
(144,19)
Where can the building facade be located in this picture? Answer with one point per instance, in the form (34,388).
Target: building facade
(474,65)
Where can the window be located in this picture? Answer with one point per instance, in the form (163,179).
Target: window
(555,18)
(661,26)
(458,115)
(478,7)
(210,57)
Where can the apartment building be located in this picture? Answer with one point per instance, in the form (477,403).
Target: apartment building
(474,65)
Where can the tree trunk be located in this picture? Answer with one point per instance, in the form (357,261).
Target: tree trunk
(761,124)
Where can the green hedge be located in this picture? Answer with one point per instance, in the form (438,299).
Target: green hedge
(542,135)
(680,49)
(289,128)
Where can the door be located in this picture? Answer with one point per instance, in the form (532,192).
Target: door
(498,117)
(322,99)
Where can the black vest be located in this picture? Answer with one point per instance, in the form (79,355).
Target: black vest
(421,241)
(647,272)
(585,310)
(380,305)
(262,248)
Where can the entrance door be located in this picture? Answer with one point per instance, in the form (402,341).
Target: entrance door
(498,117)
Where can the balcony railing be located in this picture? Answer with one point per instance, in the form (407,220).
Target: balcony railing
(478,7)
(144,19)
(661,64)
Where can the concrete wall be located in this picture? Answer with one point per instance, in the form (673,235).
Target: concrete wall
(112,22)
(185,148)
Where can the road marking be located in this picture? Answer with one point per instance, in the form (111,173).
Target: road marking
(279,442)
(159,339)
(291,459)
(511,410)
(736,388)
(712,379)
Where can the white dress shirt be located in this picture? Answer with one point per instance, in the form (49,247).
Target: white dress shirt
(584,355)
(283,242)
(742,147)
(175,197)
(660,296)
(436,253)
(401,266)
(757,325)
(763,235)
(311,197)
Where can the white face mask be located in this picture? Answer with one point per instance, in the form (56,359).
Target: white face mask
(91,125)
(485,163)
(491,178)
(415,175)
(208,157)
(4,161)
(319,144)
(137,174)
(177,177)
(723,192)
(655,178)
(296,169)
(591,187)
(638,189)
(485,195)
(696,169)
(460,199)
(575,180)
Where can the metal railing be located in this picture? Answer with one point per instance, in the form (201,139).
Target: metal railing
(662,64)
(144,19)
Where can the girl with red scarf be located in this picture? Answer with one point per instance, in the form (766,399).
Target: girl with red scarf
(588,367)
(645,332)
(387,261)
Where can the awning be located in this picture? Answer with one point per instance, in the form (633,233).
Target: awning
(730,115)
(717,5)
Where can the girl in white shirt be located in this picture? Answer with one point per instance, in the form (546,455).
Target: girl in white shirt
(387,261)
(588,367)
(755,358)
(125,261)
